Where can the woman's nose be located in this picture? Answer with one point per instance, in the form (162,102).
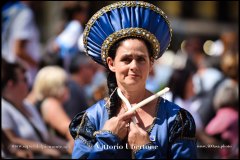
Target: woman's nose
(133,65)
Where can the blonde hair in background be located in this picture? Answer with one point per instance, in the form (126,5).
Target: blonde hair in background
(50,82)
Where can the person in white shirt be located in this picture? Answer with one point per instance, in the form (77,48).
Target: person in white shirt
(21,122)
(66,43)
(20,37)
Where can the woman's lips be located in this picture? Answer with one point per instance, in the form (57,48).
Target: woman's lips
(133,75)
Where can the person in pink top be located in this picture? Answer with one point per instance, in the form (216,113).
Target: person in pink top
(225,122)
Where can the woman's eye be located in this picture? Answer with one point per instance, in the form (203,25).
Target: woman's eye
(141,59)
(127,60)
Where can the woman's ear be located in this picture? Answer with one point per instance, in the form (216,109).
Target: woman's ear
(110,64)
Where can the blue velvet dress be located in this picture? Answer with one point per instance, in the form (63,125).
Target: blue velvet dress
(172,135)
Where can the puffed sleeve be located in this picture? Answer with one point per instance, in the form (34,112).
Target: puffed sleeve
(182,136)
(89,143)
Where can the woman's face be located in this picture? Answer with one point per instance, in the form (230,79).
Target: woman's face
(131,64)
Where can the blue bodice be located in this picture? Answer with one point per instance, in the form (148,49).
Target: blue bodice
(172,135)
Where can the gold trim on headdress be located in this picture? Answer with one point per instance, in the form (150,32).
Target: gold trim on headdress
(130,32)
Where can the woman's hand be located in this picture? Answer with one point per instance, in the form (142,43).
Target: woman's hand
(118,125)
(137,137)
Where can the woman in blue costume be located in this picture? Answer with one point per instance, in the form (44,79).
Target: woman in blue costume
(126,37)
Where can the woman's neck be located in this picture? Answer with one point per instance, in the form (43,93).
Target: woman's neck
(134,96)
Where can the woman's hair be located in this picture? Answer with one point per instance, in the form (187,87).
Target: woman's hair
(50,82)
(226,95)
(115,102)
(178,81)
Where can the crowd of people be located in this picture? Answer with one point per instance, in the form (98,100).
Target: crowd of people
(208,88)
(42,93)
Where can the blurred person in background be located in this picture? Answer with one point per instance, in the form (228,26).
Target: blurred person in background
(216,84)
(194,57)
(182,92)
(229,64)
(49,93)
(202,84)
(181,86)
(205,83)
(66,43)
(20,37)
(21,123)
(224,125)
(98,88)
(206,88)
(81,74)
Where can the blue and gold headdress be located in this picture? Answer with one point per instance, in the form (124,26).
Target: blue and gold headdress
(126,19)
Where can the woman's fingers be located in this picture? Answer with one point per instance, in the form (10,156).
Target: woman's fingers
(133,127)
(126,116)
(139,128)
